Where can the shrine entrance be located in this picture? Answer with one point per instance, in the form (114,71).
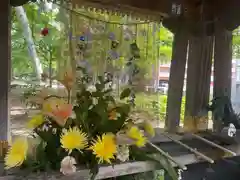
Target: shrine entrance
(96,97)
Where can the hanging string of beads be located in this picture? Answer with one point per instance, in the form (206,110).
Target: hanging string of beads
(133,69)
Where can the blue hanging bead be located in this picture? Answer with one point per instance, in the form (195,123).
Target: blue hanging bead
(82,38)
(111,36)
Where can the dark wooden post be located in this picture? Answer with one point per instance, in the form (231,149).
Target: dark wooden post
(222,65)
(198,79)
(222,62)
(5,46)
(176,80)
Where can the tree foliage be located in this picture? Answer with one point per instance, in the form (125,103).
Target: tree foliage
(236,43)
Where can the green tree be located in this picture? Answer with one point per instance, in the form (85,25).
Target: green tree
(236,43)
(48,47)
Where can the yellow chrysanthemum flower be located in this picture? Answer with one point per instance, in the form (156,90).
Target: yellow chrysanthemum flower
(35,121)
(135,134)
(16,154)
(104,147)
(149,129)
(73,138)
(141,141)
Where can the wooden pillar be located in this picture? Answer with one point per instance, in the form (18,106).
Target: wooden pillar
(222,66)
(198,81)
(176,80)
(5,46)
(222,62)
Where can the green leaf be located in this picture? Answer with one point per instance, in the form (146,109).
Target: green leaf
(42,161)
(99,86)
(47,134)
(125,93)
(161,161)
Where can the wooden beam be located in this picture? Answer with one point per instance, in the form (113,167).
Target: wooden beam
(162,8)
(198,81)
(5,46)
(176,80)
(193,10)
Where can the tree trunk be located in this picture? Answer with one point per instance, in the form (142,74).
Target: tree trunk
(176,80)
(22,17)
(198,82)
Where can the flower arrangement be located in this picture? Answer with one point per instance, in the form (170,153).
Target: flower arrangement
(91,130)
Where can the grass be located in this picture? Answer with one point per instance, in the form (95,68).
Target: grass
(156,104)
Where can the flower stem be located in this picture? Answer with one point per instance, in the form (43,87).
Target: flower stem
(68,96)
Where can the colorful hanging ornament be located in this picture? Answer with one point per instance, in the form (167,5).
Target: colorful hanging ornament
(135,51)
(45,31)
(84,63)
(111,36)
(82,38)
(127,36)
(108,77)
(135,70)
(82,46)
(130,61)
(114,44)
(113,55)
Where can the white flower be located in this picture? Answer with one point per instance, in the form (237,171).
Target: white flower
(68,165)
(45,127)
(73,115)
(91,89)
(123,153)
(108,86)
(95,101)
(54,130)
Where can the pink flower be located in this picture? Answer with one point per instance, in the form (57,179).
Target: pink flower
(58,109)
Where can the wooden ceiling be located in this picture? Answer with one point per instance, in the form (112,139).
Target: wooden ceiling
(178,11)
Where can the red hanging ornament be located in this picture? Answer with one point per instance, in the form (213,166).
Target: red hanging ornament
(44,31)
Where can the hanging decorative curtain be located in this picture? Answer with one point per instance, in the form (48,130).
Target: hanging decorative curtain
(106,42)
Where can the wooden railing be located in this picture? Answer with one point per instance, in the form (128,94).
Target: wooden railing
(185,148)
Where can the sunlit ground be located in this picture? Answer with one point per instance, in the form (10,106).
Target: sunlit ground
(20,114)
